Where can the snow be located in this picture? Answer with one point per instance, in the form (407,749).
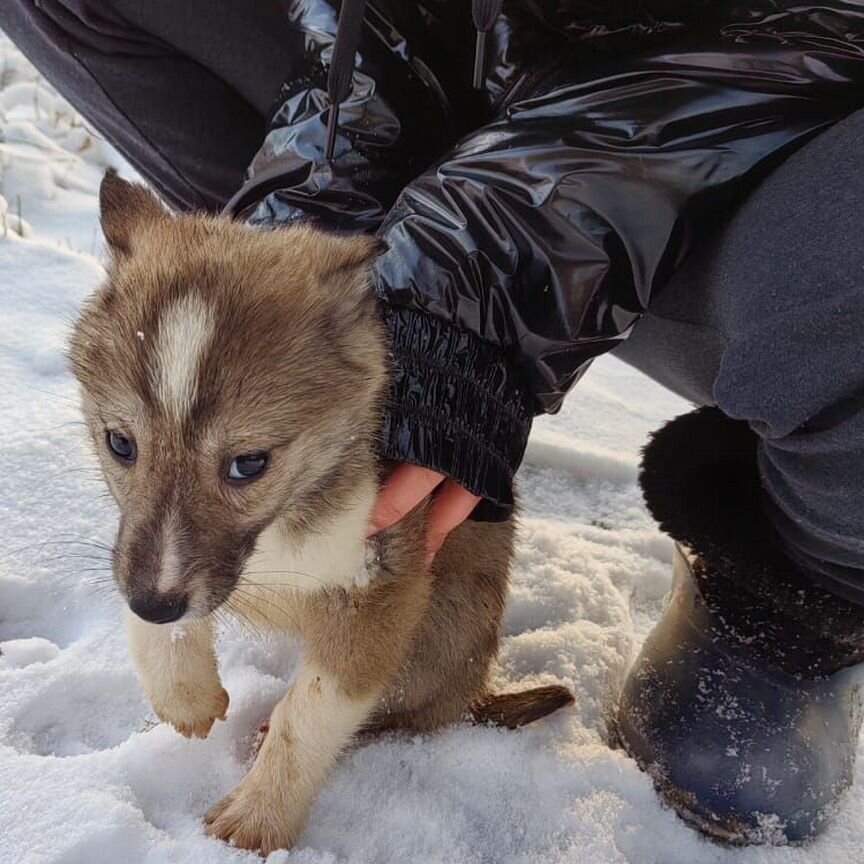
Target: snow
(86,774)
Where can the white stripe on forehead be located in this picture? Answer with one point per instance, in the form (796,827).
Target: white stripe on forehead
(185,331)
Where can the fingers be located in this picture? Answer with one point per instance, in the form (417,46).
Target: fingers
(404,489)
(450,508)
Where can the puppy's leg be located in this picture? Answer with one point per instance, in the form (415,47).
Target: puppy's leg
(308,729)
(178,673)
(357,640)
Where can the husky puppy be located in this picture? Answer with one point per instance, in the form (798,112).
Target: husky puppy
(232,384)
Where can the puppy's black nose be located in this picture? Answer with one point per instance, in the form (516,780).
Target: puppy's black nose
(159,608)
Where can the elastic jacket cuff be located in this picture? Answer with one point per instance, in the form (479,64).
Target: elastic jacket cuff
(456,406)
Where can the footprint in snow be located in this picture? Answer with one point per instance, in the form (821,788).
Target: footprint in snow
(80,713)
(29,609)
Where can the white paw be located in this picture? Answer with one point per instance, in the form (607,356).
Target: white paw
(255,816)
(191,710)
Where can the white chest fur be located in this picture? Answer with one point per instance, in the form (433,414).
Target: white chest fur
(335,556)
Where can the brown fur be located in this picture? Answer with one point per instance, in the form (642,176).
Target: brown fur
(292,362)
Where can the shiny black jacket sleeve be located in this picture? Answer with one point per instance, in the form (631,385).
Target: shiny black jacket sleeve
(535,244)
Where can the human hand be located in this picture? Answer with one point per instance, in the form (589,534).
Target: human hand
(406,487)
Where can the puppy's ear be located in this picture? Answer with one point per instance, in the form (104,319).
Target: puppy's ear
(123,207)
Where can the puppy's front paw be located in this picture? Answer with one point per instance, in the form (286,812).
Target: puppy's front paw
(192,711)
(255,817)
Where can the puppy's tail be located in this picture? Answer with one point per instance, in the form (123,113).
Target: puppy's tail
(513,710)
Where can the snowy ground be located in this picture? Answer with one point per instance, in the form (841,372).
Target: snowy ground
(86,777)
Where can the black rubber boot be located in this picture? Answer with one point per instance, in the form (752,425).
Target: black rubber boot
(745,703)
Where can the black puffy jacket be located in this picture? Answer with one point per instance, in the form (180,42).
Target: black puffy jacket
(530,222)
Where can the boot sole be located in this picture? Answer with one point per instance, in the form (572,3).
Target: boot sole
(681,802)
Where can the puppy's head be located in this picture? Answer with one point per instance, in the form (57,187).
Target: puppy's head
(229,377)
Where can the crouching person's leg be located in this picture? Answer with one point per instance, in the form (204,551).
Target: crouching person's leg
(745,703)
(180,89)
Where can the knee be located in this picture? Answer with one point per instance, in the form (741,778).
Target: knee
(17,16)
(796,370)
(34,25)
(37,27)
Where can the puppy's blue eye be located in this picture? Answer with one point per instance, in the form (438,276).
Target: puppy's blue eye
(121,446)
(248,466)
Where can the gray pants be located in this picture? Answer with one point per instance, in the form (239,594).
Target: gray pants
(765,321)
